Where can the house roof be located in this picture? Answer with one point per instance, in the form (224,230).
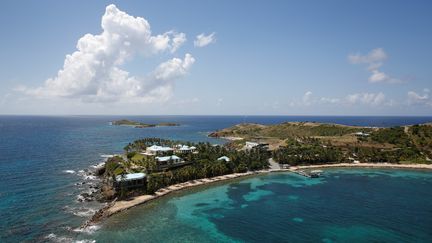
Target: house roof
(159,148)
(224,158)
(130,177)
(167,158)
(185,147)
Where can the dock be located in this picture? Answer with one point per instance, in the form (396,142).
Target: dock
(309,174)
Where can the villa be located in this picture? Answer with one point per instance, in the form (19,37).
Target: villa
(361,134)
(156,150)
(130,181)
(251,145)
(183,149)
(166,160)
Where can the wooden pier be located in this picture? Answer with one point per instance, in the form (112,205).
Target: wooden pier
(310,174)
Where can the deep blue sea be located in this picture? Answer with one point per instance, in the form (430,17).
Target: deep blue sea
(43,162)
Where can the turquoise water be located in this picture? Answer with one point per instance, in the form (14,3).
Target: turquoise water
(359,205)
(43,162)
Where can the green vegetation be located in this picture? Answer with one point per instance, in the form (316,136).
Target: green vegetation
(396,155)
(311,143)
(307,151)
(287,130)
(422,137)
(114,167)
(202,164)
(393,135)
(205,164)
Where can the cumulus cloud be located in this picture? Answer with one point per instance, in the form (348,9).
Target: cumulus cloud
(307,98)
(178,40)
(375,56)
(415,98)
(93,73)
(327,100)
(374,60)
(369,99)
(373,99)
(204,40)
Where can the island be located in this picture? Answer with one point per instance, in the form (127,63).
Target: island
(135,124)
(152,167)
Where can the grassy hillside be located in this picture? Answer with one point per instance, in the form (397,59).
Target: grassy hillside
(288,130)
(295,141)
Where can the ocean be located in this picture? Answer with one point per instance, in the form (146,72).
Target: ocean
(43,163)
(350,205)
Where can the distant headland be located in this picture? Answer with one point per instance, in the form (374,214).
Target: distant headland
(136,124)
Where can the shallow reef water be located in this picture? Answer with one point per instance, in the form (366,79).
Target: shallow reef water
(360,205)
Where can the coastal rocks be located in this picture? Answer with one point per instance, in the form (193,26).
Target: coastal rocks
(99,171)
(90,184)
(98,216)
(214,135)
(107,193)
(85,197)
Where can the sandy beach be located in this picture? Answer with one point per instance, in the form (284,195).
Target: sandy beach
(369,165)
(119,206)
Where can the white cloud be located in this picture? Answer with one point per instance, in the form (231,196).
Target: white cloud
(94,72)
(374,60)
(307,98)
(378,76)
(420,99)
(204,40)
(219,102)
(326,100)
(374,99)
(368,99)
(375,56)
(178,40)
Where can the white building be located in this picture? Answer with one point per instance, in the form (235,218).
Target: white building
(224,158)
(250,145)
(166,159)
(184,148)
(130,181)
(361,134)
(155,149)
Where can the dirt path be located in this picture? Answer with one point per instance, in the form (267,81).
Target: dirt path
(273,164)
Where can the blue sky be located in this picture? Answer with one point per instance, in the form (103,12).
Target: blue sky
(264,57)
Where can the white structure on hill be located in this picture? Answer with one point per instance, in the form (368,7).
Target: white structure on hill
(184,148)
(155,149)
(250,145)
(361,134)
(166,159)
(224,158)
(130,181)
